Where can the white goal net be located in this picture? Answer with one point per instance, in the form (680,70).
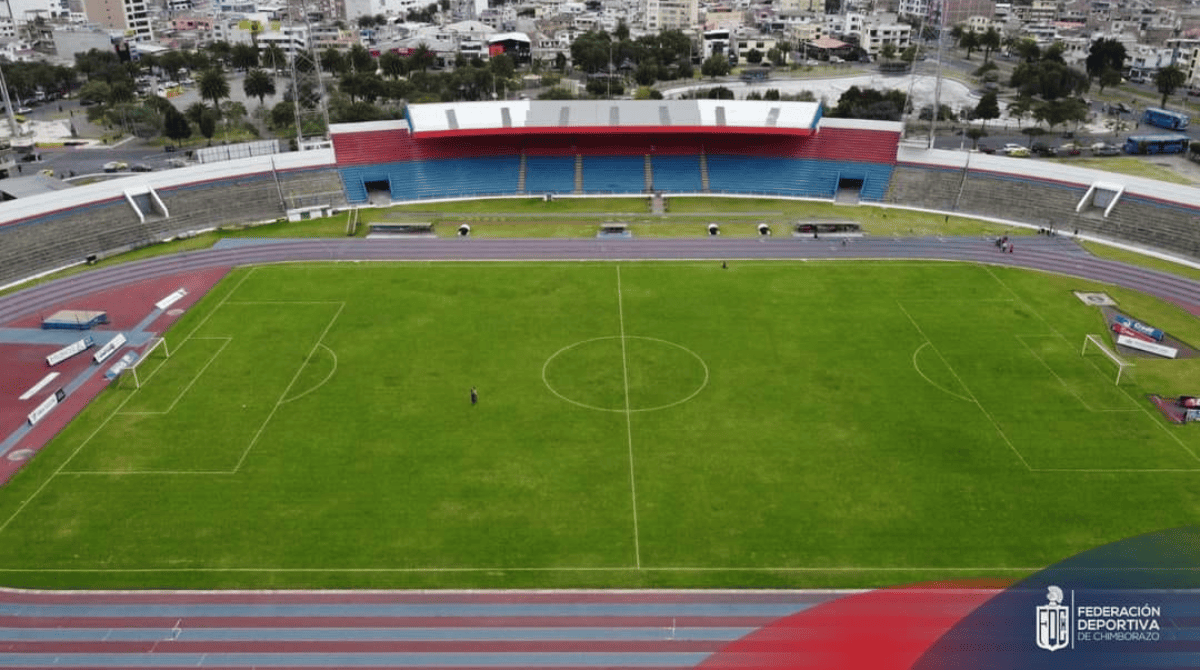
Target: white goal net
(1097,342)
(158,344)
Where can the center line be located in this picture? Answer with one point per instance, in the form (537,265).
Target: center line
(637,551)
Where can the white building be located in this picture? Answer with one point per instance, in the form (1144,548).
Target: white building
(359,8)
(662,15)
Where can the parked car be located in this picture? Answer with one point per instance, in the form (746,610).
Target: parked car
(1042,149)
(1103,149)
(141,167)
(1010,147)
(1069,149)
(1019,152)
(987,149)
(116,166)
(170,147)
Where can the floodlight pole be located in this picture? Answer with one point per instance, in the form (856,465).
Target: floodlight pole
(937,87)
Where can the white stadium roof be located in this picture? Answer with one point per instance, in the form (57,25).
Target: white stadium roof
(613,116)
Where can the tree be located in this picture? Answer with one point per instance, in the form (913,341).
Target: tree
(869,103)
(646,72)
(213,86)
(1109,77)
(208,125)
(1048,79)
(716,65)
(244,56)
(976,134)
(621,32)
(502,66)
(969,41)
(1032,132)
(195,112)
(1105,54)
(333,62)
(887,51)
(754,57)
(175,125)
(776,56)
(1028,50)
(988,108)
(360,60)
(274,57)
(989,41)
(1020,108)
(393,65)
(560,62)
(423,57)
(258,84)
(590,51)
(1168,80)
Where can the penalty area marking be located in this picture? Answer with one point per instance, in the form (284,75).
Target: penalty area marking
(323,381)
(622,410)
(931,382)
(195,378)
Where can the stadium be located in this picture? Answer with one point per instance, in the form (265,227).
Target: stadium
(723,350)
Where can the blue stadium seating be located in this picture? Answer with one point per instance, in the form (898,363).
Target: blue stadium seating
(549,174)
(677,173)
(794,177)
(614,174)
(455,177)
(464,177)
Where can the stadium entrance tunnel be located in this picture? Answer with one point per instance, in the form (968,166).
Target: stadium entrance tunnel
(849,189)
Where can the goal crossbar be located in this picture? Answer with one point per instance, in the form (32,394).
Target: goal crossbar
(1099,344)
(154,344)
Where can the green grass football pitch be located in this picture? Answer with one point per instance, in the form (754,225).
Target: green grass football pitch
(639,424)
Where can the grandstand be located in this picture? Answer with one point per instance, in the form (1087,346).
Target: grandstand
(609,147)
(516,148)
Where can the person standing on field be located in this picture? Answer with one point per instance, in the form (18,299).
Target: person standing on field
(474,396)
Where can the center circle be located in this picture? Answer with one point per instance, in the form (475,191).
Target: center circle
(631,373)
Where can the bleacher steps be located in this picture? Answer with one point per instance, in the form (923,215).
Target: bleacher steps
(521,174)
(579,173)
(704,171)
(649,172)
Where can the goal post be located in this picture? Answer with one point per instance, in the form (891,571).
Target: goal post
(156,344)
(1097,341)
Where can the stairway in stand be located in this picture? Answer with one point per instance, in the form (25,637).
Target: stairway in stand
(704,171)
(649,172)
(579,173)
(521,175)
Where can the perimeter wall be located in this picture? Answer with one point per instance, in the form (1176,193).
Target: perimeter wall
(48,232)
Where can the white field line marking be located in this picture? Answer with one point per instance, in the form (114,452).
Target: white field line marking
(561,569)
(965,387)
(104,423)
(1153,419)
(1021,339)
(279,402)
(931,382)
(323,381)
(195,379)
(122,473)
(637,549)
(1117,470)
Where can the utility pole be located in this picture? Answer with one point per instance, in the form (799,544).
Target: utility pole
(937,87)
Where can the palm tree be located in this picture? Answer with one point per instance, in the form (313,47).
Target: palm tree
(1168,80)
(213,86)
(258,84)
